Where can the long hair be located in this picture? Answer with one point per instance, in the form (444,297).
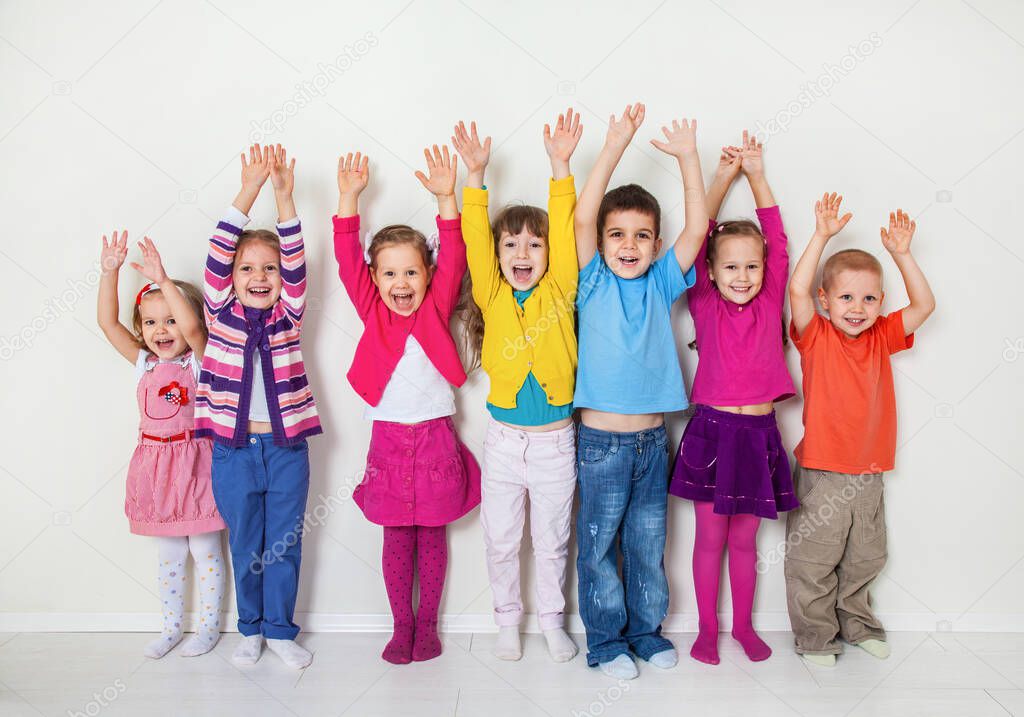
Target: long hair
(195,302)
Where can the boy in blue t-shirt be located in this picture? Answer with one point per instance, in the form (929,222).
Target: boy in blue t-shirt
(628,377)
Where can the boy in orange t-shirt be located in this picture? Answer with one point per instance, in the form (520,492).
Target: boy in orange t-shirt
(836,540)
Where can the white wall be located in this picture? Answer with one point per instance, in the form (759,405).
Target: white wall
(132,115)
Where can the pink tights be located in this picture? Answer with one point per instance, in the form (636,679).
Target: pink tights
(408,550)
(713,533)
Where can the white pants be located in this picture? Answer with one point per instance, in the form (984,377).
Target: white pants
(541,466)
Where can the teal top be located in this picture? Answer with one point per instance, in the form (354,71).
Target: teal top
(532,407)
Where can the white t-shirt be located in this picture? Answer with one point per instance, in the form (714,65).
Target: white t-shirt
(416,392)
(258,409)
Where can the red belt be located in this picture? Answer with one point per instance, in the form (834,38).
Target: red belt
(183,436)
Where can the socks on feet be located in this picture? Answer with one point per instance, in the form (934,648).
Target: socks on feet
(172,553)
(705,647)
(399,648)
(875,648)
(248,650)
(820,660)
(291,653)
(208,558)
(665,660)
(560,646)
(399,563)
(508,645)
(756,648)
(621,668)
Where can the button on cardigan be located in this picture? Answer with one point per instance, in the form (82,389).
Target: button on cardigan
(385,332)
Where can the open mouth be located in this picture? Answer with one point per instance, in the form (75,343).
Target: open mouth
(164,344)
(521,273)
(743,290)
(259,292)
(856,323)
(630,261)
(403,300)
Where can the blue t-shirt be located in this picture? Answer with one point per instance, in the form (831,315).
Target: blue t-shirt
(628,361)
(532,407)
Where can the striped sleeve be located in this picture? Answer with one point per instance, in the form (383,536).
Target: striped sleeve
(293,269)
(217,278)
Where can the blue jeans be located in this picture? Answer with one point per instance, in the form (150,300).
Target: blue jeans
(623,487)
(261,491)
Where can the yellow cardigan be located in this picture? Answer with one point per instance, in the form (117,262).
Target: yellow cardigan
(540,336)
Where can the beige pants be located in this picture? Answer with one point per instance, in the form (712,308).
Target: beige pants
(835,547)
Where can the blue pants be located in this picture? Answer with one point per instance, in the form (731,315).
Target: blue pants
(261,491)
(623,487)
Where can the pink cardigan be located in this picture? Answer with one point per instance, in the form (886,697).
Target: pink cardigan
(385,332)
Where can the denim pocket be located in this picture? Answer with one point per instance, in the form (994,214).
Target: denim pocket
(592,454)
(220,451)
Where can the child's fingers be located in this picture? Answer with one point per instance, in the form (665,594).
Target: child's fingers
(472,126)
(746,137)
(447,157)
(659,145)
(430,160)
(641,111)
(365,165)
(487,145)
(423,179)
(547,131)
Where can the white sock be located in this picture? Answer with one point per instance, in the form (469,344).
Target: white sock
(291,653)
(560,645)
(821,660)
(247,651)
(508,646)
(172,552)
(666,659)
(209,563)
(876,648)
(621,668)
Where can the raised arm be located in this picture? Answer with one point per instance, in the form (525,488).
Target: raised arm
(681,143)
(476,224)
(752,154)
(112,257)
(293,249)
(827,223)
(451,254)
(563,263)
(725,175)
(190,324)
(217,277)
(353,176)
(620,134)
(897,242)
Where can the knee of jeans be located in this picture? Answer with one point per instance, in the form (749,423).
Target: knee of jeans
(502,549)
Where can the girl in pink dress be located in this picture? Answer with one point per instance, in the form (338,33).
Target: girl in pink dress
(168,495)
(419,476)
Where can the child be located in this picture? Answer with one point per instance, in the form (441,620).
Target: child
(524,288)
(168,492)
(731,461)
(419,475)
(255,402)
(629,376)
(849,432)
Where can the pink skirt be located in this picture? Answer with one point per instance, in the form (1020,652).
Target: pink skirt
(169,490)
(417,474)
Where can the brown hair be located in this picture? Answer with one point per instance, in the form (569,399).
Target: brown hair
(735,228)
(395,234)
(849,260)
(253,235)
(191,294)
(513,219)
(625,198)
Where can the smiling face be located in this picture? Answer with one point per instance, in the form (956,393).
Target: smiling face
(523,258)
(256,274)
(737,268)
(402,277)
(160,333)
(629,242)
(853,300)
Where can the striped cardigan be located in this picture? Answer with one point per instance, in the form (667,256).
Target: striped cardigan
(236,331)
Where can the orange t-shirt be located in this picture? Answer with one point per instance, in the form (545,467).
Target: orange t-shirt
(849,400)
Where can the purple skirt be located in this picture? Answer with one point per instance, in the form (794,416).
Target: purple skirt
(737,461)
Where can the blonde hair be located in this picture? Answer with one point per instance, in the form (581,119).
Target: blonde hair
(849,260)
(395,235)
(250,236)
(191,294)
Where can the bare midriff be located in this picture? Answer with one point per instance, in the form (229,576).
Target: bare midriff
(757,409)
(553,426)
(260,427)
(620,422)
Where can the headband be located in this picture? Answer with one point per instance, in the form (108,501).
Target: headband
(147,289)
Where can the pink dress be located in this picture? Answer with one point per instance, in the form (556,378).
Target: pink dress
(169,490)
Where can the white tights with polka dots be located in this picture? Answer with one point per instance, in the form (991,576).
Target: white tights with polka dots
(209,566)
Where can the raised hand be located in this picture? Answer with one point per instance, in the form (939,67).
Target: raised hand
(257,169)
(353,173)
(729,162)
(561,143)
(151,267)
(827,222)
(752,153)
(282,172)
(443,168)
(901,230)
(114,252)
(621,131)
(680,140)
(475,155)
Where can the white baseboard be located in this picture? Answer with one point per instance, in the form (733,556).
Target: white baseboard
(482,622)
